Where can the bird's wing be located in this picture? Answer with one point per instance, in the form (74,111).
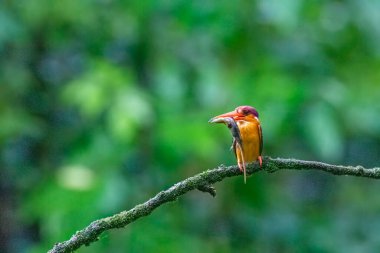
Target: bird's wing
(260,138)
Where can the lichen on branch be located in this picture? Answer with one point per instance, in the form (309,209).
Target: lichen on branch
(203,182)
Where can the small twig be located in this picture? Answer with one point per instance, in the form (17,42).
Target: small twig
(202,182)
(207,188)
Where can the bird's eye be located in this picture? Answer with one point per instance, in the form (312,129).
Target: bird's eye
(244,111)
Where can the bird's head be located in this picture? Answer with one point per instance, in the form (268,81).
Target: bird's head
(244,113)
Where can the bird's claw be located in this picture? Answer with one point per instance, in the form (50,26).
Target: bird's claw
(260,161)
(241,168)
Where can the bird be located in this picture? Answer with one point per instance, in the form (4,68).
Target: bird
(247,137)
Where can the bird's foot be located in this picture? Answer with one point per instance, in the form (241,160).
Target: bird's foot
(241,167)
(260,161)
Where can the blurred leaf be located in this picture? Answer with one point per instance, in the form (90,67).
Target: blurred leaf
(322,131)
(96,89)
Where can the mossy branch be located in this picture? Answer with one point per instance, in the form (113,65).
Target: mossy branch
(202,182)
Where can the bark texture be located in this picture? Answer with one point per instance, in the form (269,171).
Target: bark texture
(203,182)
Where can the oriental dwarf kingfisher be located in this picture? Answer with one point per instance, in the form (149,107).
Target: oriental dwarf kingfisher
(247,135)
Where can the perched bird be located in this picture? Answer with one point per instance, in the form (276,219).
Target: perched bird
(246,132)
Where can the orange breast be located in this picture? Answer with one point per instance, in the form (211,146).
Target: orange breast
(249,132)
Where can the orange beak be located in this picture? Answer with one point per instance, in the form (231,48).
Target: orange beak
(221,118)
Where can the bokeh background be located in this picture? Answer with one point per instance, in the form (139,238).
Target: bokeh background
(104,103)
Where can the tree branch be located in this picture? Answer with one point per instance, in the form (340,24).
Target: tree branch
(202,182)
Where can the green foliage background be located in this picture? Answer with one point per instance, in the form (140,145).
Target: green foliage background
(104,103)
